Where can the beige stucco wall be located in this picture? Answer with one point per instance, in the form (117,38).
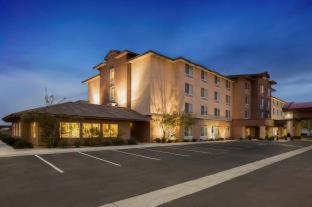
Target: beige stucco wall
(277,105)
(94,90)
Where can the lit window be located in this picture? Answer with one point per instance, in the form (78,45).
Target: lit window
(69,130)
(90,130)
(204,110)
(110,130)
(188,108)
(34,130)
(189,71)
(203,131)
(16,128)
(204,76)
(246,85)
(204,93)
(188,131)
(246,99)
(112,75)
(188,89)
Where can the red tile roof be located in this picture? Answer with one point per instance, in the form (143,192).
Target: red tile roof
(297,106)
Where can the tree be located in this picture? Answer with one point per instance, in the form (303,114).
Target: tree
(170,122)
(50,99)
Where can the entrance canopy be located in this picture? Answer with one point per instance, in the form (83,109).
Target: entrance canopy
(298,111)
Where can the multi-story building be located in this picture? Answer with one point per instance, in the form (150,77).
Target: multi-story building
(252,105)
(132,91)
(153,84)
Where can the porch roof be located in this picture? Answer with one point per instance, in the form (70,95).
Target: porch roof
(84,110)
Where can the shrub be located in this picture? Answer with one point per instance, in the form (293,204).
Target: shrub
(219,139)
(132,141)
(118,141)
(163,140)
(21,144)
(90,142)
(9,140)
(295,137)
(77,143)
(63,143)
(271,138)
(157,140)
(106,142)
(194,140)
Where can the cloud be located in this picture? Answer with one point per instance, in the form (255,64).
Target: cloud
(21,89)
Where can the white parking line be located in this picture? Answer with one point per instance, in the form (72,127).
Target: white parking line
(165,152)
(187,150)
(211,148)
(49,163)
(167,194)
(137,155)
(113,163)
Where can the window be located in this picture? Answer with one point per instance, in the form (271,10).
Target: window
(189,71)
(227,113)
(112,93)
(246,99)
(217,96)
(16,129)
(112,76)
(34,130)
(261,89)
(188,131)
(262,104)
(228,99)
(69,130)
(246,114)
(273,111)
(204,110)
(217,112)
(217,81)
(277,112)
(188,89)
(110,130)
(246,85)
(188,108)
(204,132)
(269,92)
(228,85)
(91,130)
(262,114)
(204,93)
(204,76)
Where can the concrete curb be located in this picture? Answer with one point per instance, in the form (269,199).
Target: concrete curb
(26,152)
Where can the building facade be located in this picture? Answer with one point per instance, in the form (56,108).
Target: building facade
(149,85)
(153,84)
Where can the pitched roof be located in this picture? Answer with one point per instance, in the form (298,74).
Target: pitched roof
(297,106)
(85,110)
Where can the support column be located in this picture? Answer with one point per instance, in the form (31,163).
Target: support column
(298,129)
(290,128)
(262,132)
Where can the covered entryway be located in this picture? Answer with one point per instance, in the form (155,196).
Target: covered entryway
(294,114)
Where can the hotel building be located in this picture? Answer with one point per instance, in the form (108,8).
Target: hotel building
(130,91)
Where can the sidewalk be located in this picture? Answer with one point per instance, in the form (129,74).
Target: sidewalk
(4,148)
(24,152)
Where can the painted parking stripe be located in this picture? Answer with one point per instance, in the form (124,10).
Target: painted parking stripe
(165,195)
(137,155)
(210,148)
(50,164)
(97,158)
(165,152)
(188,150)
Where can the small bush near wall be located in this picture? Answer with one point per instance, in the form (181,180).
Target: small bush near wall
(118,141)
(14,142)
(132,141)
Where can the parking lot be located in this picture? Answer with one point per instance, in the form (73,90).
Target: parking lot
(96,178)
